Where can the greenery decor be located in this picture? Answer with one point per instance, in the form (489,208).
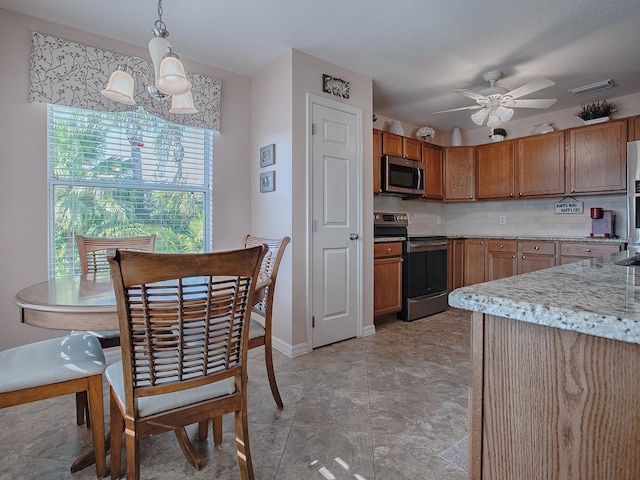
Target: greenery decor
(596,110)
(498,131)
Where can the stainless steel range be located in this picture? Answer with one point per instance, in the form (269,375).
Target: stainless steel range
(424,277)
(424,266)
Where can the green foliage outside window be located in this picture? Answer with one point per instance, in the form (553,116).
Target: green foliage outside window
(126,174)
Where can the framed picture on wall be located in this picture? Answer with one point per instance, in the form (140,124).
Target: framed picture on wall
(268,155)
(268,181)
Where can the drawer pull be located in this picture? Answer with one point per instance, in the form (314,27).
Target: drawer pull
(501,246)
(388,249)
(588,250)
(523,257)
(536,248)
(513,256)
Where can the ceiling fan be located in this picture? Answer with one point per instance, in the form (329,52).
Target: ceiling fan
(494,102)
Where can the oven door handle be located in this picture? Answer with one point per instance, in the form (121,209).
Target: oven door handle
(415,247)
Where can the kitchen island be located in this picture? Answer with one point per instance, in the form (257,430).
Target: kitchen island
(555,361)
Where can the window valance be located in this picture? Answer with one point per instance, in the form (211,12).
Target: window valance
(72,74)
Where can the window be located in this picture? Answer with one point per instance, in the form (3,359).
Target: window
(126,174)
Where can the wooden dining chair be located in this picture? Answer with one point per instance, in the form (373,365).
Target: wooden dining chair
(260,330)
(184,337)
(93,258)
(56,367)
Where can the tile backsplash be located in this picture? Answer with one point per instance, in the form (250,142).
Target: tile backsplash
(535,217)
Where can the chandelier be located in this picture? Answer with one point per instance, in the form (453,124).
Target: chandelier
(168,71)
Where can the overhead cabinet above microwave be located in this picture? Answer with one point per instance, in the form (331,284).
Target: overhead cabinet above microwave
(399,146)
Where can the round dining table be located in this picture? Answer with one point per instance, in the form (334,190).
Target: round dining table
(82,302)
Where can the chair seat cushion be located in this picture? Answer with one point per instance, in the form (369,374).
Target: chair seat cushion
(256,329)
(50,361)
(168,401)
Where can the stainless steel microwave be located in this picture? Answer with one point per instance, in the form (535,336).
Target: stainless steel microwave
(402,177)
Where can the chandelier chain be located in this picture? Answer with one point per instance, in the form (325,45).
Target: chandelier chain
(159,23)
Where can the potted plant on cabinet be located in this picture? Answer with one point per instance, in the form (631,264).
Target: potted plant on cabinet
(497,134)
(596,112)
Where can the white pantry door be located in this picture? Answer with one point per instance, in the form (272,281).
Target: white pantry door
(336,277)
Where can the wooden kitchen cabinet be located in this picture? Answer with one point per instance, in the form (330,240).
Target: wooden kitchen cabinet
(536,255)
(540,168)
(377,164)
(400,146)
(459,173)
(575,251)
(502,259)
(597,157)
(433,171)
(634,128)
(495,170)
(475,250)
(387,277)
(455,264)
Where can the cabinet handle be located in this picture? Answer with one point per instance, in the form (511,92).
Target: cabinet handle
(523,257)
(513,256)
(481,243)
(520,194)
(588,250)
(573,190)
(389,249)
(536,248)
(471,197)
(511,194)
(501,246)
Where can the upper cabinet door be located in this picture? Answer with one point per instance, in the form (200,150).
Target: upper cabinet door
(495,176)
(377,164)
(391,144)
(411,148)
(540,168)
(459,173)
(433,171)
(598,157)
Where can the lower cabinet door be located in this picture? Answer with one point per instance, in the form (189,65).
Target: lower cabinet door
(387,285)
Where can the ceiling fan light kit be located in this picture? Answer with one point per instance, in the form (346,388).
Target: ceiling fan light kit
(494,103)
(168,71)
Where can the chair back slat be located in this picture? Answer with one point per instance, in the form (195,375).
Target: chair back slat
(182,316)
(269,267)
(93,250)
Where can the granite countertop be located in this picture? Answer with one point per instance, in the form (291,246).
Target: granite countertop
(595,297)
(541,238)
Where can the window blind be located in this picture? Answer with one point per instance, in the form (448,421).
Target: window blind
(120,174)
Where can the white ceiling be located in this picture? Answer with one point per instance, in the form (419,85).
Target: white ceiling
(416,51)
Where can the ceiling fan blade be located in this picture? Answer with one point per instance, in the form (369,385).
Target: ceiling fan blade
(532,86)
(534,103)
(472,107)
(470,94)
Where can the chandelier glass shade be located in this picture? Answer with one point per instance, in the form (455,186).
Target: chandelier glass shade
(168,71)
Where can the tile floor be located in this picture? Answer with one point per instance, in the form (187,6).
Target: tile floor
(376,408)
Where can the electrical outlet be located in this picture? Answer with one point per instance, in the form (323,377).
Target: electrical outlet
(503,219)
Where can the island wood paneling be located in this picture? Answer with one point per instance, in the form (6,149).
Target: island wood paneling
(556,404)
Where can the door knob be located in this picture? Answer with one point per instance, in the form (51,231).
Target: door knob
(354,236)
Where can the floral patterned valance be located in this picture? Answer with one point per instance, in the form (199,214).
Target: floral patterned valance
(72,74)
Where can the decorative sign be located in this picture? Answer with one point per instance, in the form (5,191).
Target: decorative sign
(565,206)
(335,86)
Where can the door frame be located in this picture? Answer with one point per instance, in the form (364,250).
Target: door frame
(312,100)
